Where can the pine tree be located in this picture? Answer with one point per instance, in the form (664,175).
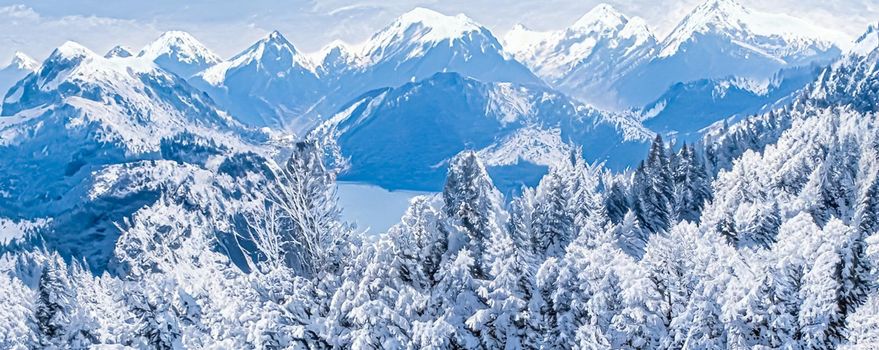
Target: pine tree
(653,190)
(819,318)
(59,319)
(631,238)
(473,205)
(691,185)
(617,202)
(453,301)
(504,321)
(554,217)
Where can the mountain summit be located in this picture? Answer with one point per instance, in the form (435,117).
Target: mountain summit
(722,38)
(179,53)
(584,59)
(268,84)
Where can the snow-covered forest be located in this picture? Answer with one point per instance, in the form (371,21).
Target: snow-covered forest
(778,250)
(161,200)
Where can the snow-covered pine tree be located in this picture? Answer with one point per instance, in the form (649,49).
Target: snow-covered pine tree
(617,200)
(504,322)
(653,189)
(18,326)
(453,300)
(821,324)
(157,321)
(862,326)
(631,238)
(474,209)
(553,218)
(692,187)
(60,321)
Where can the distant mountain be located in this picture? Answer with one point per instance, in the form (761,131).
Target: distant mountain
(179,53)
(119,51)
(21,66)
(686,109)
(81,112)
(721,38)
(403,137)
(415,46)
(854,79)
(585,59)
(268,84)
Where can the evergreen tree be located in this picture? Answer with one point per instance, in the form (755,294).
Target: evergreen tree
(473,205)
(554,217)
(504,321)
(59,318)
(691,185)
(631,238)
(653,190)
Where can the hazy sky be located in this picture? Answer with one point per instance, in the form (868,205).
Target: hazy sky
(228,27)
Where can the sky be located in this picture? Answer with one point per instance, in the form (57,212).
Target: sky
(227,27)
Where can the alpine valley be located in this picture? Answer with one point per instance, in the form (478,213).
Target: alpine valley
(591,187)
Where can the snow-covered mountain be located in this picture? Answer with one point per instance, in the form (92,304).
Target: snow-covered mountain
(403,137)
(686,109)
(853,80)
(179,53)
(721,38)
(415,46)
(81,112)
(585,59)
(21,66)
(422,42)
(119,51)
(268,84)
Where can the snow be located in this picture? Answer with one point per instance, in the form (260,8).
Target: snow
(586,58)
(372,208)
(24,62)
(182,45)
(410,34)
(731,18)
(867,43)
(256,55)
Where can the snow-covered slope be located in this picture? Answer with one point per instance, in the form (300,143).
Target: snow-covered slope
(584,59)
(403,137)
(686,109)
(82,115)
(179,53)
(850,85)
(268,84)
(119,51)
(80,111)
(417,45)
(854,79)
(722,38)
(21,66)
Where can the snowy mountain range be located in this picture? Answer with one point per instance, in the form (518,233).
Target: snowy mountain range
(514,127)
(80,113)
(160,200)
(436,83)
(585,59)
(613,61)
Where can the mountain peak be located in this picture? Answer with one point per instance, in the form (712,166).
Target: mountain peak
(71,50)
(182,45)
(24,62)
(438,25)
(119,51)
(602,14)
(729,18)
(867,42)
